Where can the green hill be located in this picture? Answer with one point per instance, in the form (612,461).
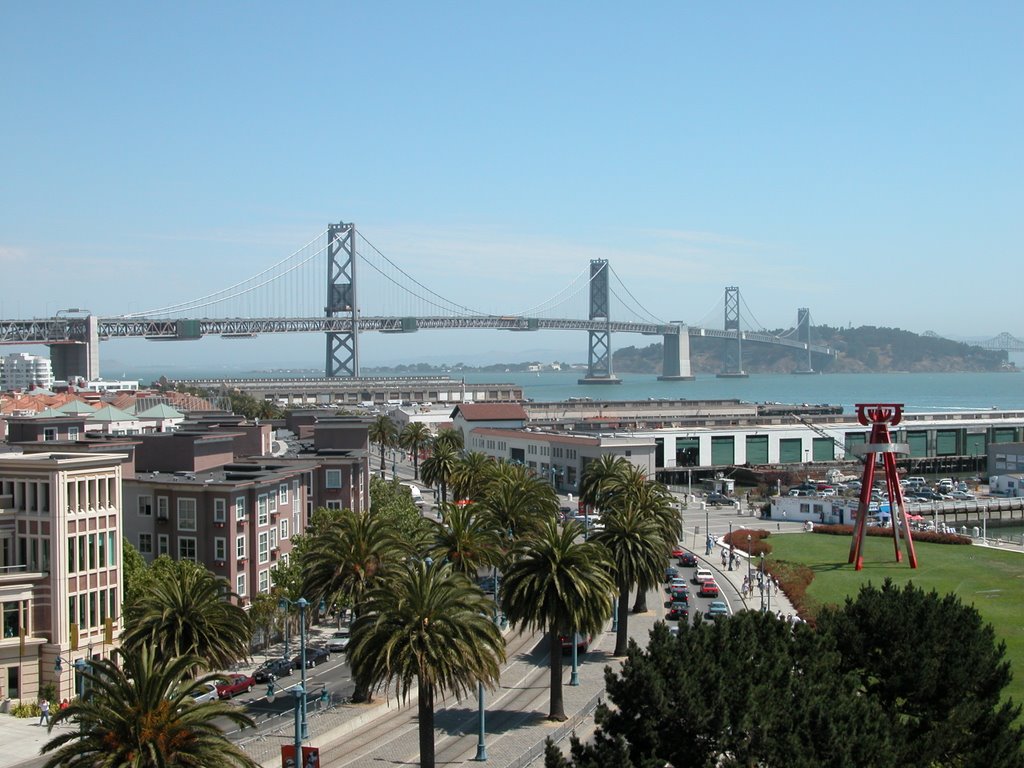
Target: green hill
(866,349)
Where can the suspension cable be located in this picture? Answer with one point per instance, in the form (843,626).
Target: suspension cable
(641,307)
(578,289)
(188,304)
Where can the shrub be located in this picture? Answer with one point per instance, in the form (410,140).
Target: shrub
(874,530)
(26,709)
(758,546)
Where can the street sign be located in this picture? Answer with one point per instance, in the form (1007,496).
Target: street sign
(310,757)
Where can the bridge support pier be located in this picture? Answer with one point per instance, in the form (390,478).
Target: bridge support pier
(70,360)
(675,363)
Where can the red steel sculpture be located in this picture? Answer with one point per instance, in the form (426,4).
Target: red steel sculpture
(880,416)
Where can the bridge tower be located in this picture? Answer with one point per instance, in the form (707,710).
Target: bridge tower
(803,335)
(342,346)
(732,323)
(599,359)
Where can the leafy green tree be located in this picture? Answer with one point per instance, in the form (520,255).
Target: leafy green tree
(429,626)
(141,713)
(747,690)
(936,669)
(187,611)
(384,433)
(439,466)
(392,503)
(558,585)
(414,436)
(135,577)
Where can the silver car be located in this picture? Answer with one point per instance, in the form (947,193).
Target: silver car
(339,641)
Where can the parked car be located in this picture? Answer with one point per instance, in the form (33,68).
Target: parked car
(235,684)
(701,575)
(688,560)
(339,641)
(208,692)
(717,610)
(716,499)
(271,670)
(962,495)
(582,643)
(709,589)
(314,656)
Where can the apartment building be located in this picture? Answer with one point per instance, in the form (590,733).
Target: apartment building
(60,568)
(20,370)
(237,519)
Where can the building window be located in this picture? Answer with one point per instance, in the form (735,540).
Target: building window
(264,580)
(186,514)
(187,548)
(220,513)
(220,548)
(240,547)
(49,433)
(263,542)
(282,494)
(145,506)
(283,525)
(72,433)
(240,508)
(333,504)
(163,544)
(262,514)
(163,507)
(273,538)
(272,500)
(240,585)
(146,543)
(333,478)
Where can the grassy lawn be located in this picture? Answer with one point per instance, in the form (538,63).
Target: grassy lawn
(991,580)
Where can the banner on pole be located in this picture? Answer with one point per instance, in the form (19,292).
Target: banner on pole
(310,757)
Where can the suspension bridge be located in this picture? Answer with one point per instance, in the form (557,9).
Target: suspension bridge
(290,297)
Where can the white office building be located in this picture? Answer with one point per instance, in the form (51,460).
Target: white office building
(20,371)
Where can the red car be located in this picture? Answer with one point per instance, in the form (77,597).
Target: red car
(582,643)
(709,589)
(677,551)
(235,684)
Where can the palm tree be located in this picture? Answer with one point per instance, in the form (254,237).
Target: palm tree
(414,436)
(467,540)
(429,626)
(470,476)
(383,432)
(141,713)
(558,585)
(438,467)
(346,560)
(518,501)
(188,612)
(614,484)
(450,437)
(634,540)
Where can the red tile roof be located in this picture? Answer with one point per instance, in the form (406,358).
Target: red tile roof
(491,412)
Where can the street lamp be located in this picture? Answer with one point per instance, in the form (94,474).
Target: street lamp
(300,706)
(80,666)
(301,603)
(574,678)
(481,745)
(707,527)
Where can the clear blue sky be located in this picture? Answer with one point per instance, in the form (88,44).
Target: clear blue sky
(861,159)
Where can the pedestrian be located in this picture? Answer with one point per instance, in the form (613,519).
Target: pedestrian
(724,557)
(44,712)
(64,704)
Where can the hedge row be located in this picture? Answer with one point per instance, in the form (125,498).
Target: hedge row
(873,530)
